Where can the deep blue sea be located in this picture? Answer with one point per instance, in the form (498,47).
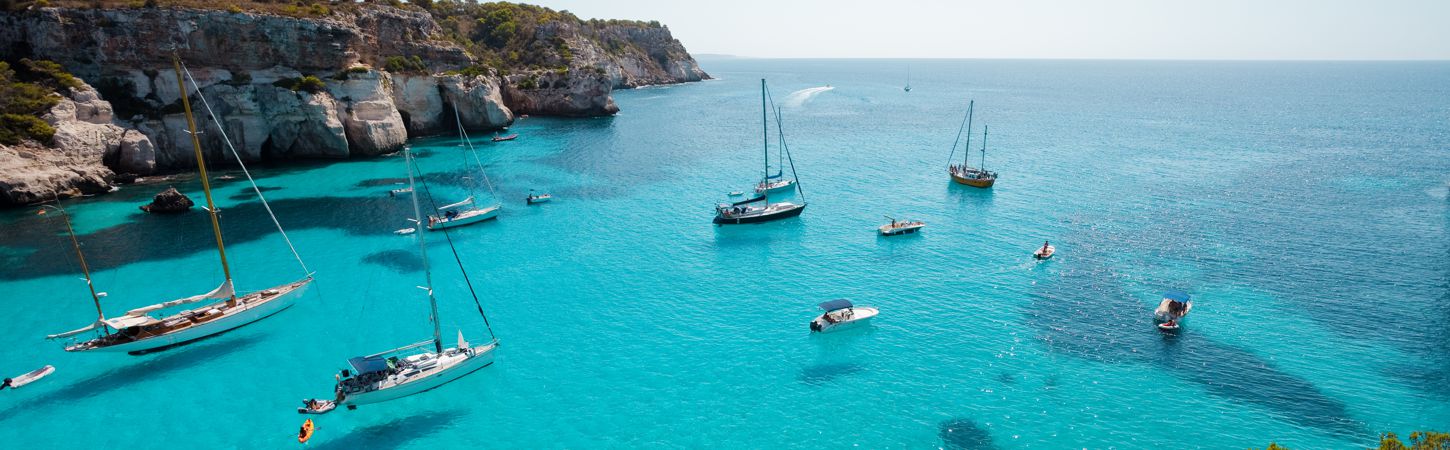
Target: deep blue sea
(1303,205)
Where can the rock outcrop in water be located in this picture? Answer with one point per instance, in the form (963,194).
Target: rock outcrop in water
(357,81)
(169,201)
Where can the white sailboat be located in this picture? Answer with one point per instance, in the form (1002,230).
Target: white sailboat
(412,368)
(138,331)
(908,79)
(467,211)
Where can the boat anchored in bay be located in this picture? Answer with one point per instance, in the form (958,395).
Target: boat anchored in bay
(413,368)
(137,332)
(897,228)
(841,314)
(467,211)
(760,209)
(964,173)
(1172,309)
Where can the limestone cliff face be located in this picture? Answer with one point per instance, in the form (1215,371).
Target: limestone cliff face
(76,161)
(249,69)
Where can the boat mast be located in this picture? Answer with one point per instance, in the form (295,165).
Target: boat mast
(216,227)
(423,251)
(464,136)
(967,155)
(86,269)
(984,148)
(765,141)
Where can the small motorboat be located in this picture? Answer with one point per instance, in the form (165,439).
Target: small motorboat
(1045,252)
(897,228)
(497,138)
(306,432)
(841,314)
(27,378)
(534,199)
(397,192)
(315,406)
(405,231)
(1172,309)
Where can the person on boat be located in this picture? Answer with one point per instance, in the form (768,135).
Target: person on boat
(451,214)
(1044,247)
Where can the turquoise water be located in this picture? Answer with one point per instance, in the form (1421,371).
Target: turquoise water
(1304,205)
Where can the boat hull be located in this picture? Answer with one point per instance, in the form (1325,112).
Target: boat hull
(467,218)
(974,182)
(888,230)
(483,357)
(788,185)
(862,315)
(243,315)
(785,213)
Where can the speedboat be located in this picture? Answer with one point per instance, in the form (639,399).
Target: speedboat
(510,137)
(540,198)
(774,184)
(1044,252)
(841,314)
(897,228)
(397,192)
(1172,309)
(744,212)
(27,378)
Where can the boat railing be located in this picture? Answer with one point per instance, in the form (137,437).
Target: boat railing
(403,348)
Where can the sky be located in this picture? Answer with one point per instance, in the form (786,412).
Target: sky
(1104,29)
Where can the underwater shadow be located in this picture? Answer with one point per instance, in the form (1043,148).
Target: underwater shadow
(964,434)
(824,373)
(396,433)
(399,260)
(135,373)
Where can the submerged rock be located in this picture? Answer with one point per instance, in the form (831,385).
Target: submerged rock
(168,201)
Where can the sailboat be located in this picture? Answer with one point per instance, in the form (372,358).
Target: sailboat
(138,332)
(465,212)
(908,79)
(776,182)
(964,173)
(413,368)
(760,209)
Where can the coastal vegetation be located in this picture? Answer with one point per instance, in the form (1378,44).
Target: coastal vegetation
(26,95)
(1419,440)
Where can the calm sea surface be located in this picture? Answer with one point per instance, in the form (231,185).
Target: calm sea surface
(1304,205)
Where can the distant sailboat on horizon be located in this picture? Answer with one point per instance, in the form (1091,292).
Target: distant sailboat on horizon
(908,79)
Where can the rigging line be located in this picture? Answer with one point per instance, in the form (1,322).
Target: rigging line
(785,149)
(454,249)
(469,142)
(238,157)
(959,136)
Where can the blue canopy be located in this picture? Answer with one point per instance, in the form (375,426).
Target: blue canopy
(1177,296)
(362,365)
(836,304)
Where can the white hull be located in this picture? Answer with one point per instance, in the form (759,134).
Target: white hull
(31,376)
(465,218)
(778,186)
(235,317)
(449,371)
(901,228)
(860,316)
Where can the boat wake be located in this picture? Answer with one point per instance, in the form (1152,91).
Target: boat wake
(798,98)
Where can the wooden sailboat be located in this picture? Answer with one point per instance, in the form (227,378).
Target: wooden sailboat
(414,368)
(964,173)
(467,211)
(760,209)
(139,332)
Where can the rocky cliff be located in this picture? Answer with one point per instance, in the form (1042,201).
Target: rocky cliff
(358,80)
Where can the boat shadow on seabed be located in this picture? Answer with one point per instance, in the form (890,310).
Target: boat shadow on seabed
(127,376)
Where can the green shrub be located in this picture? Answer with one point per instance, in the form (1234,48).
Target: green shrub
(399,64)
(17,127)
(50,72)
(234,9)
(311,84)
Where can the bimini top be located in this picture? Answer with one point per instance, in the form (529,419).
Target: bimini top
(1177,296)
(365,364)
(836,304)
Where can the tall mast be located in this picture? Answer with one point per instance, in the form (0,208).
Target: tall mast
(86,269)
(423,251)
(765,140)
(967,155)
(462,135)
(984,147)
(216,227)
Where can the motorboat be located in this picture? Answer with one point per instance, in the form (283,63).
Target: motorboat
(397,192)
(405,231)
(27,378)
(1044,252)
(1172,309)
(534,199)
(900,227)
(746,212)
(840,314)
(497,138)
(316,406)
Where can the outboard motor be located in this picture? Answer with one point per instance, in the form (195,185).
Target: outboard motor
(815,326)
